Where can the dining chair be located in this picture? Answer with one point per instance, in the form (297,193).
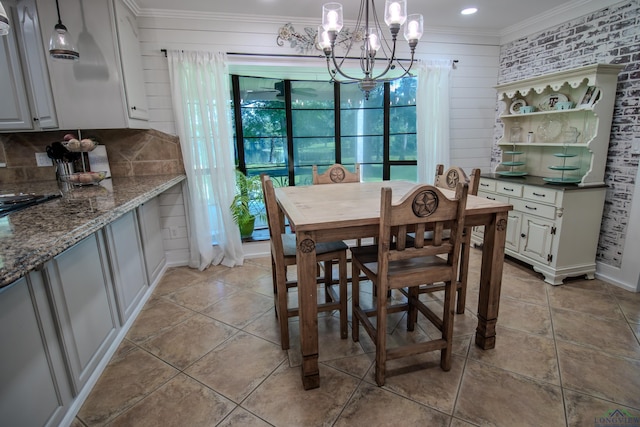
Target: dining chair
(336,174)
(395,265)
(283,254)
(449,179)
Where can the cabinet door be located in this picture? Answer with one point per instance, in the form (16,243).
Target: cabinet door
(537,238)
(35,65)
(14,105)
(151,232)
(84,304)
(131,60)
(125,254)
(512,240)
(34,388)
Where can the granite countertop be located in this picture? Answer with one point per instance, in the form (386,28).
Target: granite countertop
(537,181)
(32,236)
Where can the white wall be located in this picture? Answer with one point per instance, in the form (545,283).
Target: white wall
(473,97)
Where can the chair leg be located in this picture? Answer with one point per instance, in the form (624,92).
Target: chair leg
(381,336)
(355,301)
(412,312)
(281,306)
(328,279)
(344,324)
(447,325)
(464,271)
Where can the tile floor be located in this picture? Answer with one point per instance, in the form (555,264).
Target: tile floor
(205,352)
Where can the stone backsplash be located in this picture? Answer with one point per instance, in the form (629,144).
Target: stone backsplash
(130,152)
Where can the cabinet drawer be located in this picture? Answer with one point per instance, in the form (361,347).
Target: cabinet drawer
(487,185)
(493,196)
(534,208)
(538,194)
(509,189)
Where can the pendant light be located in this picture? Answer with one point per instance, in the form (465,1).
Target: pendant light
(61,46)
(4,21)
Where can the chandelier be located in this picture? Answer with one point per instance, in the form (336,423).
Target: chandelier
(369,31)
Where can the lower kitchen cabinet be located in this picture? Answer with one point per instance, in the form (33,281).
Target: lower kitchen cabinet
(555,229)
(34,387)
(84,304)
(127,266)
(151,232)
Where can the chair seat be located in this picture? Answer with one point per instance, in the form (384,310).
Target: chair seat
(368,257)
(289,243)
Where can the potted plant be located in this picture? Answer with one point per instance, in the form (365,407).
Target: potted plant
(248,203)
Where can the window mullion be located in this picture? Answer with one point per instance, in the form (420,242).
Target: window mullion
(386,167)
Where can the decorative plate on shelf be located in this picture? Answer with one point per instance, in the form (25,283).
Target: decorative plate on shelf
(548,103)
(512,173)
(549,130)
(516,105)
(562,180)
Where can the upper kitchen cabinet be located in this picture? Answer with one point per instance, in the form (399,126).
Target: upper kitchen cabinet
(27,102)
(105,88)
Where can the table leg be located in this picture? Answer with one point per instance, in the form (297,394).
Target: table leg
(491,280)
(308,308)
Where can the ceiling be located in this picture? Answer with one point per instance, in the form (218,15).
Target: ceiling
(493,16)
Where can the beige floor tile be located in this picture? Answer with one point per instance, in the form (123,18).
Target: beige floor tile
(329,342)
(353,365)
(508,399)
(375,406)
(459,423)
(584,410)
(245,276)
(585,301)
(180,402)
(125,381)
(266,327)
(421,379)
(526,317)
(240,308)
(526,354)
(238,366)
(525,289)
(609,336)
(600,375)
(280,400)
(176,278)
(200,295)
(157,318)
(629,304)
(242,418)
(189,341)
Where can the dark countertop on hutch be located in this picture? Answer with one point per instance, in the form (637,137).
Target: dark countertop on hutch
(537,181)
(32,236)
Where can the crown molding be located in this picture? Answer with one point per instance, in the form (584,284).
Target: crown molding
(553,17)
(281,20)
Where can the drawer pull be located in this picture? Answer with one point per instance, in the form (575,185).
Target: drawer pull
(507,189)
(491,198)
(484,185)
(539,195)
(523,235)
(533,208)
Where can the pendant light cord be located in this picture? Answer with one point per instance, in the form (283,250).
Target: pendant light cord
(58,9)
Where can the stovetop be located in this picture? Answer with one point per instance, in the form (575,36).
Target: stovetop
(10,203)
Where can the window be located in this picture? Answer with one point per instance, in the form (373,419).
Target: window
(284,127)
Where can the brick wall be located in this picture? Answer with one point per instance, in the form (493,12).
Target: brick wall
(610,36)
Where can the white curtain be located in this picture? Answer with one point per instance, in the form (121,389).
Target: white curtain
(202,106)
(432,115)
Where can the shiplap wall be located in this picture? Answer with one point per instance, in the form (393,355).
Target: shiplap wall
(472,96)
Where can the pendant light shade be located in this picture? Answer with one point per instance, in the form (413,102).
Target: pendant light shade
(61,45)
(4,21)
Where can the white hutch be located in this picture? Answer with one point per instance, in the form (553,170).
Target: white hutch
(552,168)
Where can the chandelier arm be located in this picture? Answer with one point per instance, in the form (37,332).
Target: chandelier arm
(342,73)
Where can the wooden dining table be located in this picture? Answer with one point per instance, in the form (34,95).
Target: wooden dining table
(330,212)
